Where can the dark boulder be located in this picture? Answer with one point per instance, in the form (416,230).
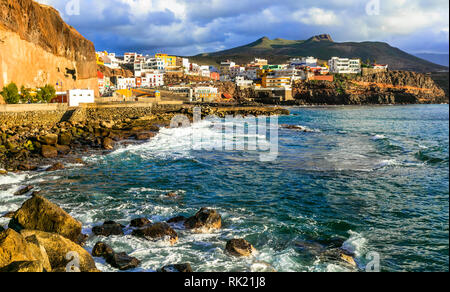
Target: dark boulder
(180,268)
(108,228)
(239,248)
(120,261)
(139,222)
(177,219)
(49,151)
(156,231)
(26,167)
(56,166)
(108,143)
(23,191)
(205,220)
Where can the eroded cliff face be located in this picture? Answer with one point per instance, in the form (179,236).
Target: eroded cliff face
(37,47)
(394,87)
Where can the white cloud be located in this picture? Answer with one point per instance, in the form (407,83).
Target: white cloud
(191,26)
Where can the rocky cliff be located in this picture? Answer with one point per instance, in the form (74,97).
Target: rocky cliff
(394,87)
(108,72)
(37,47)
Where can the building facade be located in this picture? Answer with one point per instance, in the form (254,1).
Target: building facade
(344,66)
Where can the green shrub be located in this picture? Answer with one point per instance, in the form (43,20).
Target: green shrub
(11,93)
(25,95)
(46,93)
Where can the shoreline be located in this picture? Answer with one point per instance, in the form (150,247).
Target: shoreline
(26,147)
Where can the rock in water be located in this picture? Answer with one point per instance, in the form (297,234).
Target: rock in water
(139,222)
(108,228)
(102,250)
(23,267)
(49,151)
(239,247)
(22,191)
(39,213)
(177,219)
(120,261)
(1,229)
(27,167)
(157,231)
(181,268)
(108,143)
(62,252)
(56,166)
(339,255)
(15,248)
(205,220)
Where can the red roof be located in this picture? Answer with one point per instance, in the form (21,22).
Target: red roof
(227,96)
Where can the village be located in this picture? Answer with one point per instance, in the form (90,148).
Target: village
(156,76)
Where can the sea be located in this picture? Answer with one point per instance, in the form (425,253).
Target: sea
(375,179)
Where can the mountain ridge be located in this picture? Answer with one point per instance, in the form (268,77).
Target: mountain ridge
(322,47)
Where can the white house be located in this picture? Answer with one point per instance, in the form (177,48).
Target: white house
(77,96)
(236,70)
(241,82)
(344,66)
(152,80)
(126,83)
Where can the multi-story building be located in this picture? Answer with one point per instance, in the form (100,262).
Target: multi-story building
(126,83)
(152,80)
(129,58)
(148,65)
(305,61)
(214,76)
(226,66)
(344,66)
(169,61)
(272,81)
(242,82)
(259,62)
(236,71)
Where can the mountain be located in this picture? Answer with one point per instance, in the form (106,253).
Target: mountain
(37,48)
(322,47)
(441,59)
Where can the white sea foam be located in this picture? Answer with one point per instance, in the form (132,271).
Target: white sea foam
(356,244)
(12,178)
(378,137)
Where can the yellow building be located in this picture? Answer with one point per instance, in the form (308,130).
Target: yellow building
(170,61)
(99,59)
(275,82)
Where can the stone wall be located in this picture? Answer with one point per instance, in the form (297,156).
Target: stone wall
(32,115)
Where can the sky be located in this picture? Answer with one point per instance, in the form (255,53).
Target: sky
(190,27)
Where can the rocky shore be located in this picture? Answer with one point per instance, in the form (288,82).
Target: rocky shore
(27,146)
(42,237)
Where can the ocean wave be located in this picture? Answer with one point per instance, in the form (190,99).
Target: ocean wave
(378,137)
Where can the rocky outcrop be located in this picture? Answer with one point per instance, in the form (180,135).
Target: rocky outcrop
(120,260)
(392,87)
(139,222)
(16,249)
(108,228)
(39,213)
(63,253)
(204,221)
(37,47)
(239,248)
(157,231)
(108,72)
